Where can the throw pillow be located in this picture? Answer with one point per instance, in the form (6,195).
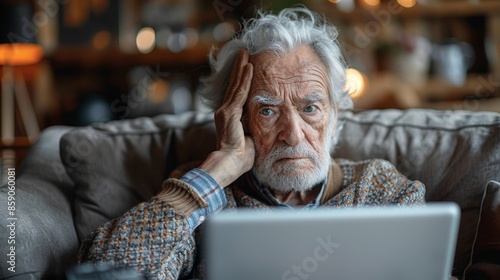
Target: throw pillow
(120,164)
(485,262)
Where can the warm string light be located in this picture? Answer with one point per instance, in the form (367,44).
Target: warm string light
(407,3)
(146,40)
(404,3)
(372,2)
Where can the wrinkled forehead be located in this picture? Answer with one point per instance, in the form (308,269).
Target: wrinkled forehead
(301,61)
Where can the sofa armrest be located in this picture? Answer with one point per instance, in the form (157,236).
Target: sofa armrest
(42,231)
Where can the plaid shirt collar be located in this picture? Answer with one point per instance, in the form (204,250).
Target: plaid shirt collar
(264,194)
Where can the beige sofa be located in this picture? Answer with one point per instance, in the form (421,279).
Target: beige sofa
(74,179)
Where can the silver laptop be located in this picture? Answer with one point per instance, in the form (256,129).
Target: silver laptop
(358,243)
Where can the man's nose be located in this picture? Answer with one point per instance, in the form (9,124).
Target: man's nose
(290,129)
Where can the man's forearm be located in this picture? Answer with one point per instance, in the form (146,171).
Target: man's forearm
(197,195)
(156,237)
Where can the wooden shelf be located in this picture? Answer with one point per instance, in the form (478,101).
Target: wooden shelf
(489,105)
(479,92)
(453,9)
(441,9)
(434,14)
(85,57)
(476,86)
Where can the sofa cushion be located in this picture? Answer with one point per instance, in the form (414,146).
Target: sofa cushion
(485,263)
(454,153)
(45,238)
(119,164)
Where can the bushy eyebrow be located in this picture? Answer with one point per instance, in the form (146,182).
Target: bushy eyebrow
(265,99)
(313,98)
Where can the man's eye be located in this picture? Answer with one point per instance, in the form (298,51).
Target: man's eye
(266,112)
(310,109)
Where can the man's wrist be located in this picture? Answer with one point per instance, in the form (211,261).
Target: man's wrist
(207,189)
(219,167)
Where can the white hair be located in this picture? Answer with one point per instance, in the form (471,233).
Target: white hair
(282,33)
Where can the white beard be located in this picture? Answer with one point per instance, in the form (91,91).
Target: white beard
(287,178)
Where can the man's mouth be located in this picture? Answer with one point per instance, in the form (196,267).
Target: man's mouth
(290,159)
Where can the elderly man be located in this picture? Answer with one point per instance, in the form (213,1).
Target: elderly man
(277,88)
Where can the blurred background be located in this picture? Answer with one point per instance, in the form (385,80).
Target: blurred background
(77,62)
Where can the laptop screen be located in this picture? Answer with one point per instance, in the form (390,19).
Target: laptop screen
(331,243)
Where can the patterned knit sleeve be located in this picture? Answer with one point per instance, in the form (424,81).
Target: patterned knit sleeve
(389,186)
(409,193)
(156,237)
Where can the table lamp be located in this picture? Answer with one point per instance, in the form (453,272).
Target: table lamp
(17,48)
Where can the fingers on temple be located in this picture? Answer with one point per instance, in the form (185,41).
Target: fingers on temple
(240,80)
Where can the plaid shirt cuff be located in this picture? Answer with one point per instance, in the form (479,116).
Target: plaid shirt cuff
(209,190)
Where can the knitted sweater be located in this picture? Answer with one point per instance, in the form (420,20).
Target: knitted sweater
(159,237)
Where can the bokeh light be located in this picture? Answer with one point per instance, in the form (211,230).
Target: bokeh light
(356,83)
(223,31)
(146,39)
(177,42)
(101,40)
(407,3)
(372,2)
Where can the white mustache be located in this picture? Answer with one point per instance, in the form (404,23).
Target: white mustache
(291,151)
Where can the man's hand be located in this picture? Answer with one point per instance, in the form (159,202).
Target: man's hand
(235,152)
